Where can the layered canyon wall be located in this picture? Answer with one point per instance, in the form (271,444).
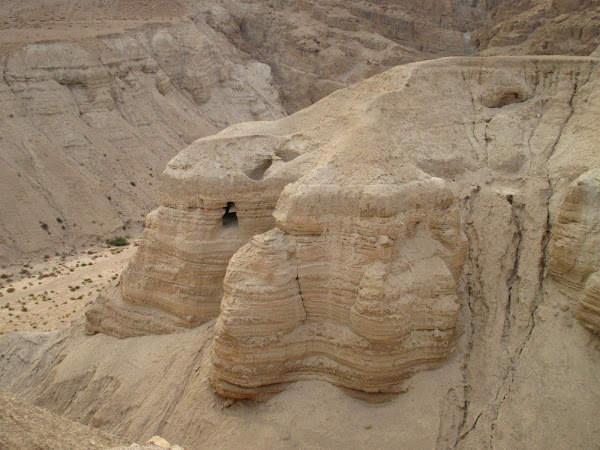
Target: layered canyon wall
(100,98)
(365,189)
(506,142)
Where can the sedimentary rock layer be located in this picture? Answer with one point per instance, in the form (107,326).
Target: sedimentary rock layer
(215,196)
(357,288)
(365,187)
(540,27)
(507,137)
(357,285)
(91,123)
(575,247)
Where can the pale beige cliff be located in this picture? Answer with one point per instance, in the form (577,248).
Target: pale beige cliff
(356,286)
(540,27)
(100,96)
(575,247)
(90,123)
(501,139)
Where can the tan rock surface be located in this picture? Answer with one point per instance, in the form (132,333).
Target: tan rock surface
(92,119)
(540,27)
(357,286)
(575,247)
(506,136)
(101,95)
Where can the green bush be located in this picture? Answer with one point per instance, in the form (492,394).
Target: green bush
(118,241)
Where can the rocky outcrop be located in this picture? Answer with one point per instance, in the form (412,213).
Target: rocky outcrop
(542,27)
(357,287)
(575,247)
(499,139)
(317,47)
(106,95)
(215,196)
(361,266)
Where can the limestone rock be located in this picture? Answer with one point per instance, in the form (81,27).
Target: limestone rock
(317,47)
(357,288)
(215,197)
(99,97)
(505,136)
(575,247)
(543,27)
(100,116)
(329,296)
(222,190)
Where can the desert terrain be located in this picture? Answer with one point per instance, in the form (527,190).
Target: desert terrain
(48,295)
(357,224)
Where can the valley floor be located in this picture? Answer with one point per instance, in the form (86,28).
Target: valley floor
(49,295)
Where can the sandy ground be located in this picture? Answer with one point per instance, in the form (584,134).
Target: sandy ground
(48,295)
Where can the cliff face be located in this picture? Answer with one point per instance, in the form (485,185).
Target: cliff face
(575,248)
(356,286)
(540,27)
(317,47)
(91,123)
(361,283)
(416,217)
(100,97)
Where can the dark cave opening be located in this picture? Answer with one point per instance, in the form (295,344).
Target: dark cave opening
(229,216)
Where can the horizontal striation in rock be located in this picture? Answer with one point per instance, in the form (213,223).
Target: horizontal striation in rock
(575,247)
(346,303)
(215,197)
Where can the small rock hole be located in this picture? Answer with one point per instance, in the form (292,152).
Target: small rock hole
(258,172)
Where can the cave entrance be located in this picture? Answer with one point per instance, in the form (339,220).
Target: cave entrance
(229,216)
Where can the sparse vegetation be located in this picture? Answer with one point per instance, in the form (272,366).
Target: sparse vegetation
(118,241)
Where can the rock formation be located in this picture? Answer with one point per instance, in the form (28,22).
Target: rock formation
(540,27)
(107,95)
(575,247)
(215,196)
(356,286)
(360,283)
(317,47)
(101,116)
(499,140)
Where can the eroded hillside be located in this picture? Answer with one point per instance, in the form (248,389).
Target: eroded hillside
(99,96)
(368,278)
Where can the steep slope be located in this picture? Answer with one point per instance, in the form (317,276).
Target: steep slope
(25,426)
(316,47)
(89,124)
(541,27)
(505,136)
(137,81)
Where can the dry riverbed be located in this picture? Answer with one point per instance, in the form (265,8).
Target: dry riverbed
(49,295)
